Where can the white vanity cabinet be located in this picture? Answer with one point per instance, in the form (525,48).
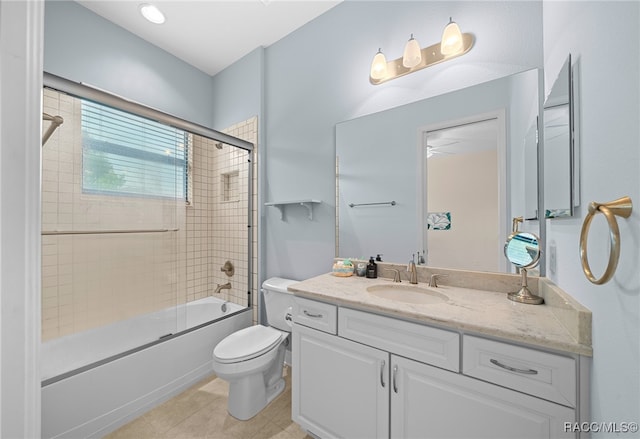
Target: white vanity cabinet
(341,387)
(428,402)
(371,376)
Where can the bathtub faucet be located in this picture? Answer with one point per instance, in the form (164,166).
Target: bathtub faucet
(226,286)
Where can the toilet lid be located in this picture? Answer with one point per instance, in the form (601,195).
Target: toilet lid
(246,344)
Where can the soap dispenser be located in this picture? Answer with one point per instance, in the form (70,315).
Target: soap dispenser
(372,269)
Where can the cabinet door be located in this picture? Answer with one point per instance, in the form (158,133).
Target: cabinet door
(427,402)
(340,388)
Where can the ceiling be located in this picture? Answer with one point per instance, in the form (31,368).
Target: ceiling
(212,34)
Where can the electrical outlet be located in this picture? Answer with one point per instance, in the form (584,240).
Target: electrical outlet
(552,257)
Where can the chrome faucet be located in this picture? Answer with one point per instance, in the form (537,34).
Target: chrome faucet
(433,279)
(413,273)
(226,286)
(396,274)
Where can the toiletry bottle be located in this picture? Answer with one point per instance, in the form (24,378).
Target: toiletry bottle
(372,269)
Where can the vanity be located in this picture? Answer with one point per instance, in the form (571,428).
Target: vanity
(378,359)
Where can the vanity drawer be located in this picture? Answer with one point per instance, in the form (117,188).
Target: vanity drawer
(542,374)
(434,346)
(317,315)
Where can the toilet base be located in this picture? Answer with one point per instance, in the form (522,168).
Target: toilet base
(247,397)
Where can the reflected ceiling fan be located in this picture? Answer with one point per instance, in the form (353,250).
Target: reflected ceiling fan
(438,149)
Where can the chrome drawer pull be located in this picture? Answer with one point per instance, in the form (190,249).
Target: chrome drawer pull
(315,316)
(382,373)
(395,381)
(513,369)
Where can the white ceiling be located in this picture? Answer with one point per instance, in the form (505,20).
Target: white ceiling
(212,34)
(466,138)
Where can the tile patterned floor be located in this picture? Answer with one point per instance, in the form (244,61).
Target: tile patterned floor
(201,412)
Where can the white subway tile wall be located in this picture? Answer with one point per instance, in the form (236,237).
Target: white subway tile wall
(95,279)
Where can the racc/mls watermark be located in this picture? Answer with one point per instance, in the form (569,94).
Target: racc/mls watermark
(600,427)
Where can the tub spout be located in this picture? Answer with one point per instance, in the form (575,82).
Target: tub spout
(220,287)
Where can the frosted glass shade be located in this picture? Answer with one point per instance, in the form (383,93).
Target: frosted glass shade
(451,39)
(379,66)
(412,55)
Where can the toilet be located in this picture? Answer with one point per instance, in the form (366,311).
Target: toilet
(252,359)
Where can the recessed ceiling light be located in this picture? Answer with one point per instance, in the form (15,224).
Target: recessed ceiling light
(151,13)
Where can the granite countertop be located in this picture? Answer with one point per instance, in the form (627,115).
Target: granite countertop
(560,324)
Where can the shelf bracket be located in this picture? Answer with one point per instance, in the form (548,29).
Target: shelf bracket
(308,204)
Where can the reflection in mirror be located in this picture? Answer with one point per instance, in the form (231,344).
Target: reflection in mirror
(523,250)
(560,172)
(381,157)
(469,213)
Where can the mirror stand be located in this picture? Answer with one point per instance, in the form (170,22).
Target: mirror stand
(523,250)
(524,295)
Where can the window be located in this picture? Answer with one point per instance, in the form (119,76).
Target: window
(125,154)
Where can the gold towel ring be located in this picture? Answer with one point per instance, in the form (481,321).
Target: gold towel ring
(621,207)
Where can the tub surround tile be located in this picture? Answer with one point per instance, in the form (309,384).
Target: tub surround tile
(561,324)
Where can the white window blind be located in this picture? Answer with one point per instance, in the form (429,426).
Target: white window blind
(125,154)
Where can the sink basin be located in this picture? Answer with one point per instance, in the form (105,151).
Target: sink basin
(407,294)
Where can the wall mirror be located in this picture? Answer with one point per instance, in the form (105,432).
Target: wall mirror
(382,196)
(560,148)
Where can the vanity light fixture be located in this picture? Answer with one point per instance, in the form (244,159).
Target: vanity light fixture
(452,44)
(151,13)
(411,56)
(379,66)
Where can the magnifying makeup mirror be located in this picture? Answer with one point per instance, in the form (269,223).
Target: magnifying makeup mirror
(523,250)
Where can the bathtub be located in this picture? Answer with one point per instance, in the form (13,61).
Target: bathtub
(131,366)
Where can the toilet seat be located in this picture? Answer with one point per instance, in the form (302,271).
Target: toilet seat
(246,344)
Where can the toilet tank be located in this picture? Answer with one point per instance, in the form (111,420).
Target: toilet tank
(278,302)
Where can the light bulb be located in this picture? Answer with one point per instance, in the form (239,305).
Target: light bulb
(152,13)
(379,66)
(412,55)
(451,39)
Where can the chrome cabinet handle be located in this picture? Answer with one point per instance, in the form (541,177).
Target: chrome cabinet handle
(382,373)
(395,380)
(513,369)
(315,316)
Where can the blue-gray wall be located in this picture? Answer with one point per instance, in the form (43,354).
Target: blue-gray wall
(608,112)
(317,77)
(237,90)
(83,47)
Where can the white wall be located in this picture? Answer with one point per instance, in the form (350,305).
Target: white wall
(604,40)
(20,111)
